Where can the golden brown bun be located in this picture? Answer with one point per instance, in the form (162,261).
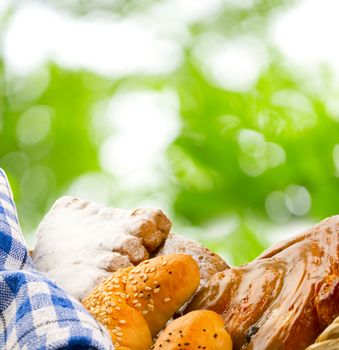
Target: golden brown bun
(197,330)
(107,303)
(160,286)
(135,303)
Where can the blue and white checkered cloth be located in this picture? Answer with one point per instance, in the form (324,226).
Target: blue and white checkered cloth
(34,312)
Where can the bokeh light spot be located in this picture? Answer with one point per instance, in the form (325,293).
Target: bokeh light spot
(251,142)
(275,154)
(143,123)
(252,166)
(335,155)
(36,184)
(232,64)
(34,124)
(276,206)
(298,200)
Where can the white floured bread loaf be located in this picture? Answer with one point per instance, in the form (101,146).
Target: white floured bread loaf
(80,243)
(209,263)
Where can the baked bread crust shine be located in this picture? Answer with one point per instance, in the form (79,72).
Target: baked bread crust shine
(284,298)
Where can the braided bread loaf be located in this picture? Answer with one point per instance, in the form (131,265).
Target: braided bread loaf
(285,297)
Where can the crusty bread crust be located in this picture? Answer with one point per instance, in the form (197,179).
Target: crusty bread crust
(209,263)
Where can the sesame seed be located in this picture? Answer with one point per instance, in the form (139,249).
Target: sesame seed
(138,305)
(167,300)
(148,288)
(117,308)
(145,312)
(122,322)
(156,290)
(145,278)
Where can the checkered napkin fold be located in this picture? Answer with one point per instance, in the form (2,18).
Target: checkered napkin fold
(34,312)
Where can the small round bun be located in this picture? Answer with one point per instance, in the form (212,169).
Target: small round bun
(200,329)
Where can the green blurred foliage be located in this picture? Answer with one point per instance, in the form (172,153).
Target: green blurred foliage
(233,151)
(41,170)
(209,146)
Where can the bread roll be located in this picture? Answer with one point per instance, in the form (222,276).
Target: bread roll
(161,286)
(196,330)
(107,303)
(136,303)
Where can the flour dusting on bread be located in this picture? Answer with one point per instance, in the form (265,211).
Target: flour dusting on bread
(80,243)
